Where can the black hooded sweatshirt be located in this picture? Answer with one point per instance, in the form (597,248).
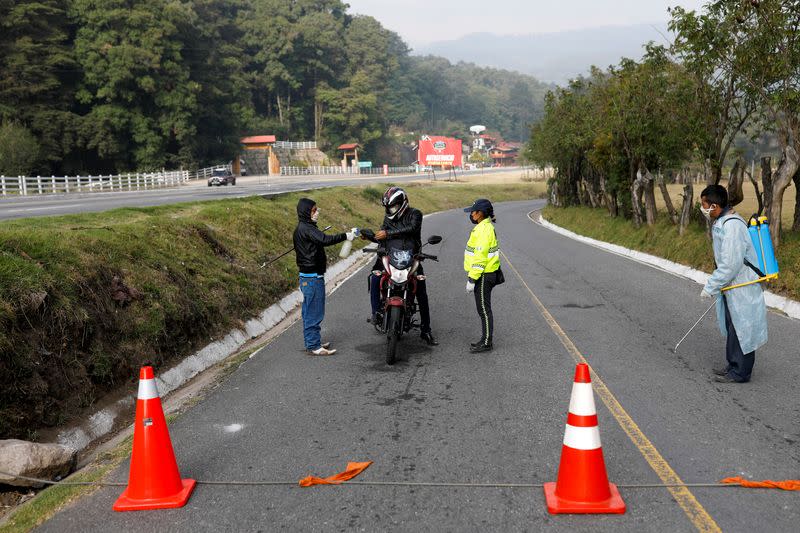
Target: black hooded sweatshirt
(309,241)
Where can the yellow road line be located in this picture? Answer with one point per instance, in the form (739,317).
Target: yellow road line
(694,511)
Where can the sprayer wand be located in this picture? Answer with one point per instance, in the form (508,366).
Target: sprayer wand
(287,252)
(674,350)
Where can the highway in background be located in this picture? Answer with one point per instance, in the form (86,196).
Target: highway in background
(64,204)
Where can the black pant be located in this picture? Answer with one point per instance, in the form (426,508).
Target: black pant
(483,301)
(422,299)
(740,365)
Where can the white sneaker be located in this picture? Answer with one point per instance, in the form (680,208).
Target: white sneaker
(321,351)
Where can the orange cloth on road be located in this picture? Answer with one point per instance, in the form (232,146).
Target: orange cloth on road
(353,469)
(788,484)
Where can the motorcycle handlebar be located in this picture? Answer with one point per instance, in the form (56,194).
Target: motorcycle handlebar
(418,256)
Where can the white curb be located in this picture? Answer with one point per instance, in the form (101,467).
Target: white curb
(790,307)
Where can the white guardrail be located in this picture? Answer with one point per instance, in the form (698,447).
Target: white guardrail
(293,145)
(349,171)
(132,181)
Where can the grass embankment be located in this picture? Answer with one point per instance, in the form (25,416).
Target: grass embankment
(692,248)
(85,300)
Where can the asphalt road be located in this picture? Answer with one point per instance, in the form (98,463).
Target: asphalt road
(447,415)
(63,204)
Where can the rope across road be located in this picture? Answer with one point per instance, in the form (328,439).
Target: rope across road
(443,484)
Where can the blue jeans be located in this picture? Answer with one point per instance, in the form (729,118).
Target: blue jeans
(313,290)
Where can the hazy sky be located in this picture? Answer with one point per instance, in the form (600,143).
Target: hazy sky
(423,21)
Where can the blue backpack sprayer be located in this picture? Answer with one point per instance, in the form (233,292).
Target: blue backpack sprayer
(767,268)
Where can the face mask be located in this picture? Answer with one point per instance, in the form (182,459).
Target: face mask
(707,212)
(315,215)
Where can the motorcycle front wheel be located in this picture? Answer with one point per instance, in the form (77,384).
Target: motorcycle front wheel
(393,327)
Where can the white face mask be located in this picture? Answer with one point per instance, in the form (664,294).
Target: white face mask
(707,211)
(315,215)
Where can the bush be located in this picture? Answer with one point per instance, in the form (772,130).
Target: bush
(19,150)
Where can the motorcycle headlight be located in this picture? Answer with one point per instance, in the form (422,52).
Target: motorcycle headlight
(399,276)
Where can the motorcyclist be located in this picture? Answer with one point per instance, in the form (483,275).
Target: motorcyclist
(401,222)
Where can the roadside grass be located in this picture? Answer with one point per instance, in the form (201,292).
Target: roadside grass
(748,206)
(692,248)
(87,299)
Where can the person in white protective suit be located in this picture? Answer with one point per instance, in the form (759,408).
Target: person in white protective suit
(741,312)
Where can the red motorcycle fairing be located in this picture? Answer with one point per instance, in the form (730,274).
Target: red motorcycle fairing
(395,301)
(385,278)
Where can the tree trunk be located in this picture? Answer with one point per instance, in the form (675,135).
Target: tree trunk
(610,200)
(649,195)
(708,172)
(555,198)
(595,199)
(673,216)
(317,120)
(766,183)
(686,208)
(787,167)
(735,182)
(280,109)
(796,223)
(637,189)
(716,172)
(759,195)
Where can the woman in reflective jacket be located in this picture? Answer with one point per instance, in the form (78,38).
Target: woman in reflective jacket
(482,264)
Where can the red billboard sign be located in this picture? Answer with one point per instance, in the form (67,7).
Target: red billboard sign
(439,152)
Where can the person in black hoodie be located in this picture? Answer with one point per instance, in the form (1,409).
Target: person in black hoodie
(309,248)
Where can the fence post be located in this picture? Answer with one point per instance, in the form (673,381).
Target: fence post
(3,184)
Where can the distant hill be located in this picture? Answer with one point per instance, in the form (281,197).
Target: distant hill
(550,57)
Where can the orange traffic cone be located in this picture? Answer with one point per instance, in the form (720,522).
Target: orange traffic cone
(582,485)
(154,481)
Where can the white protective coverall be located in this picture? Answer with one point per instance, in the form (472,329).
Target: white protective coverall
(748,311)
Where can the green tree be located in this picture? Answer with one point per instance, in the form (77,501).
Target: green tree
(351,113)
(136,89)
(563,138)
(721,104)
(212,52)
(37,72)
(19,150)
(767,57)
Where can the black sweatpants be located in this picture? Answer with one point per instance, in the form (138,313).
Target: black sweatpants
(483,301)
(740,365)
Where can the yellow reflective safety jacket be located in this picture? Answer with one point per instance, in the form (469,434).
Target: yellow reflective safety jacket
(482,254)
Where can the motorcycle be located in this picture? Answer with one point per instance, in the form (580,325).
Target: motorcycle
(398,286)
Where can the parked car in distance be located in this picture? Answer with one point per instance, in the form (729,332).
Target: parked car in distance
(221,176)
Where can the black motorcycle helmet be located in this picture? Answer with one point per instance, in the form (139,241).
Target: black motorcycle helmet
(395,201)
